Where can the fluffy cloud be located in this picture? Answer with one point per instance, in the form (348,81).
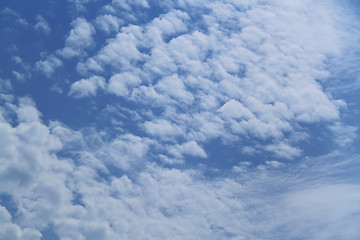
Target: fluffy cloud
(174,88)
(84,201)
(108,23)
(30,172)
(115,5)
(87,87)
(79,39)
(252,80)
(163,129)
(125,151)
(190,148)
(120,53)
(8,230)
(122,84)
(49,65)
(247,75)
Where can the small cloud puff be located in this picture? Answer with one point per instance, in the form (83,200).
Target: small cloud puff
(190,148)
(87,87)
(48,66)
(79,39)
(122,84)
(42,25)
(108,23)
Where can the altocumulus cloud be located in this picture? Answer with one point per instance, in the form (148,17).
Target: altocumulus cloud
(254,58)
(260,203)
(165,85)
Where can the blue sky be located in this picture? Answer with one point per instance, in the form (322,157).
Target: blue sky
(179,119)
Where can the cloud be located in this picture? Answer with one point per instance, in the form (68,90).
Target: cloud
(5,85)
(13,15)
(190,148)
(163,129)
(126,150)
(311,209)
(120,52)
(283,150)
(80,5)
(248,75)
(49,65)
(234,109)
(174,88)
(87,87)
(167,25)
(42,25)
(16,59)
(126,5)
(344,135)
(19,76)
(30,172)
(8,230)
(79,39)
(122,84)
(241,75)
(108,23)
(51,183)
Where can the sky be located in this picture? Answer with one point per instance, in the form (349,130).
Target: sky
(179,119)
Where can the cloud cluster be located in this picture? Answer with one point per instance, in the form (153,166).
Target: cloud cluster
(250,74)
(87,198)
(226,70)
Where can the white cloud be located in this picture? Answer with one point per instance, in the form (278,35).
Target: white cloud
(126,5)
(254,80)
(72,195)
(49,65)
(163,129)
(274,164)
(30,172)
(26,112)
(79,39)
(174,87)
(18,19)
(344,135)
(237,72)
(16,59)
(42,25)
(234,109)
(122,84)
(167,25)
(190,148)
(119,53)
(283,150)
(8,230)
(80,4)
(87,87)
(108,23)
(19,76)
(328,208)
(126,150)
(5,85)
